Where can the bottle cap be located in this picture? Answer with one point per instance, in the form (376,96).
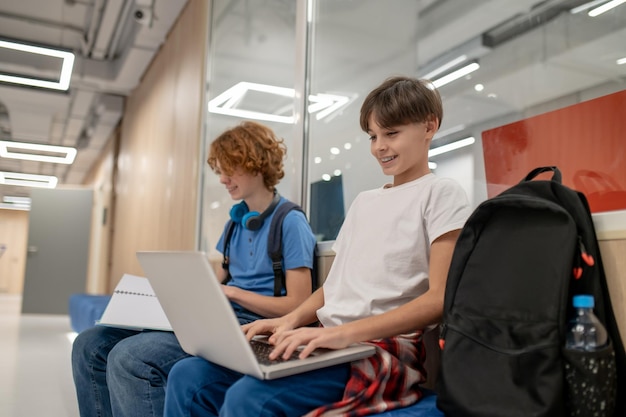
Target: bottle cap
(583,301)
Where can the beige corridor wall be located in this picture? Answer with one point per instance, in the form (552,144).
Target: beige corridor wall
(159,163)
(101,179)
(14,237)
(614,263)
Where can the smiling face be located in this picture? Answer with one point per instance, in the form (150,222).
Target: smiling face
(241,185)
(402,151)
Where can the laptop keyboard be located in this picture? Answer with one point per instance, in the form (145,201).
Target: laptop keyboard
(262,351)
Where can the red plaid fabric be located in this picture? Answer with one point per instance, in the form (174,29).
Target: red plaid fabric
(387,380)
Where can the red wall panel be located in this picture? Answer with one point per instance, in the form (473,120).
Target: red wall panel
(587,141)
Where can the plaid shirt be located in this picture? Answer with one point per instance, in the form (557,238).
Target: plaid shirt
(385,381)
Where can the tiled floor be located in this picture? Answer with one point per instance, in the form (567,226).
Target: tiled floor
(35,370)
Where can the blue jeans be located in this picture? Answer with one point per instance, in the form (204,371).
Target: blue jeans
(197,388)
(119,372)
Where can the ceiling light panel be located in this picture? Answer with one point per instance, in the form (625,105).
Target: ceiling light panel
(28,180)
(456,74)
(469,51)
(37,152)
(443,68)
(605,7)
(16,203)
(451,146)
(248,100)
(8,206)
(60,63)
(586,6)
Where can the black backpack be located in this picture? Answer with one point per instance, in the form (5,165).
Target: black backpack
(520,258)
(274,247)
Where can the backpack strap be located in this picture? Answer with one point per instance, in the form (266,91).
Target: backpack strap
(229,228)
(556,173)
(274,244)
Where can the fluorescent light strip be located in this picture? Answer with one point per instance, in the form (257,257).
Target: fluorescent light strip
(28,180)
(321,104)
(16,200)
(586,6)
(224,103)
(66,67)
(455,75)
(443,133)
(621,61)
(246,114)
(451,146)
(325,104)
(605,7)
(70,153)
(451,64)
(14,206)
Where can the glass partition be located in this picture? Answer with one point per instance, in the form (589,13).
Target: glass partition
(356,45)
(251,70)
(524,83)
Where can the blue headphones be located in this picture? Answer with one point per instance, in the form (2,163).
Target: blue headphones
(252,220)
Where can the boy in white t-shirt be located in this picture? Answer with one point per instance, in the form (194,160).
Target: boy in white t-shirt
(386,285)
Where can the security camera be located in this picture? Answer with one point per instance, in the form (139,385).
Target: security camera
(143,15)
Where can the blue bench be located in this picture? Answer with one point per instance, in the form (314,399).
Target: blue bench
(86,309)
(426,407)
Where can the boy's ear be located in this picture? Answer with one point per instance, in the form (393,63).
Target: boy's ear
(432,124)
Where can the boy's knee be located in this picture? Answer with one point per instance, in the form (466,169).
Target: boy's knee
(235,401)
(182,370)
(239,402)
(85,344)
(188,370)
(84,338)
(125,361)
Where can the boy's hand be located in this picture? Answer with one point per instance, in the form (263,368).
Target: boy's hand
(287,341)
(265,327)
(229,291)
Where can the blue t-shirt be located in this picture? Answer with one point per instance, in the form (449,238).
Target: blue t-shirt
(250,266)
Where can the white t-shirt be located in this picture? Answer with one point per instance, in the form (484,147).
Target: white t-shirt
(383,248)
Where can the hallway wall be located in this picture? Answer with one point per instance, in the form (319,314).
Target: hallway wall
(14,237)
(156,185)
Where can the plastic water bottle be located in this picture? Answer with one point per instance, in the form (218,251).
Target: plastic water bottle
(585,331)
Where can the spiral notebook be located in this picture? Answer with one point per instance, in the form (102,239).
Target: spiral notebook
(134,305)
(205,323)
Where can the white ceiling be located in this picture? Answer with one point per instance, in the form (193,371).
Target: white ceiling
(534,54)
(113,47)
(564,59)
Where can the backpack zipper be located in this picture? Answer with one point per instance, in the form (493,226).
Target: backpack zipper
(585,256)
(445,327)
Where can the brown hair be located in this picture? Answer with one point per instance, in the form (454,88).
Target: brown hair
(401,100)
(252,147)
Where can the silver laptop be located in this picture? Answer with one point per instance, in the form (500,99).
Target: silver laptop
(205,323)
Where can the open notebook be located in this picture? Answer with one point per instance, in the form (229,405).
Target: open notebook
(205,323)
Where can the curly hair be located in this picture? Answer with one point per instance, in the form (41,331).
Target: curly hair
(252,147)
(400,100)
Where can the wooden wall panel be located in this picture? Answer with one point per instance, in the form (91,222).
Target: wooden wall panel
(614,264)
(158,163)
(14,236)
(100,179)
